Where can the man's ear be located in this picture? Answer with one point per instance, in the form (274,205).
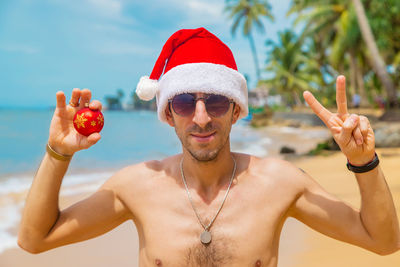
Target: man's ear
(236,113)
(169,116)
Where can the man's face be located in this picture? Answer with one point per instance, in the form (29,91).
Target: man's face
(202,135)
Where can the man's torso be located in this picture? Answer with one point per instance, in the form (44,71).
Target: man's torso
(245,233)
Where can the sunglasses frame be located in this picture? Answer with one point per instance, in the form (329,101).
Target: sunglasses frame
(205,103)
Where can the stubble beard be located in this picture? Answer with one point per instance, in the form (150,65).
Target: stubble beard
(204,154)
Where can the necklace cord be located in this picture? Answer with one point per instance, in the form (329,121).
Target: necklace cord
(190,196)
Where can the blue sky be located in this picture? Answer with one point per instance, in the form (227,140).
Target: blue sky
(51,45)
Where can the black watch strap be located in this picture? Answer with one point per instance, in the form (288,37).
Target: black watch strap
(365,168)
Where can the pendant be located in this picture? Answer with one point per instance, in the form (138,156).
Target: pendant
(205,237)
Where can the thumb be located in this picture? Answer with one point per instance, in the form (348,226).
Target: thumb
(348,127)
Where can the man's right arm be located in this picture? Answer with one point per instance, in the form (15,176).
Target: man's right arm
(43,225)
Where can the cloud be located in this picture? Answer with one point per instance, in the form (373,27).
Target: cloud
(19,48)
(110,8)
(124,48)
(111,11)
(212,9)
(200,12)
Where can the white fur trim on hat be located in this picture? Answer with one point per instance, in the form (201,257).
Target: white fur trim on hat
(202,78)
(146,88)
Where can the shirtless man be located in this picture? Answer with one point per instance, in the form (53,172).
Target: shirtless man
(207,206)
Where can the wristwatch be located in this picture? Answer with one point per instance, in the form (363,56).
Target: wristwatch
(365,168)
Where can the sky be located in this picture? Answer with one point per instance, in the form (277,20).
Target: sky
(103,45)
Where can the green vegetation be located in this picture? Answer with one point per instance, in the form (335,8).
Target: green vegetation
(355,38)
(139,104)
(115,102)
(321,147)
(249,13)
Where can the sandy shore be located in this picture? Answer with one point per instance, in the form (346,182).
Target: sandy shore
(300,246)
(332,174)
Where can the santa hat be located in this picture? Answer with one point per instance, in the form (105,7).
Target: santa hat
(194,60)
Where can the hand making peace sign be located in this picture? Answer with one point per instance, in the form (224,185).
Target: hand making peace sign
(353,133)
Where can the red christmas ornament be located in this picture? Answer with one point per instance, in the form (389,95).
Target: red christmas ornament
(87,121)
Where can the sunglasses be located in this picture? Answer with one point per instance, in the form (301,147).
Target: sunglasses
(185,104)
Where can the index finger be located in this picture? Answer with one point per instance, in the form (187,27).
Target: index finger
(60,99)
(341,99)
(318,109)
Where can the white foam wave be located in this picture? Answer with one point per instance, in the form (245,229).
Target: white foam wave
(257,148)
(77,179)
(92,187)
(7,241)
(14,185)
(13,192)
(9,218)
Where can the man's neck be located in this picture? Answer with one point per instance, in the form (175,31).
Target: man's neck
(208,177)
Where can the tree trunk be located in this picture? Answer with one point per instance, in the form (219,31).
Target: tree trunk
(361,88)
(297,99)
(254,52)
(375,58)
(353,75)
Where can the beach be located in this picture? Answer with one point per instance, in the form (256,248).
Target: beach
(331,172)
(300,246)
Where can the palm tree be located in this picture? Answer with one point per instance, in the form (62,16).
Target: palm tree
(348,43)
(328,18)
(324,26)
(249,12)
(375,57)
(333,26)
(292,69)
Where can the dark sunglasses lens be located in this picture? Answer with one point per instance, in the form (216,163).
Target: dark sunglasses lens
(217,105)
(183,104)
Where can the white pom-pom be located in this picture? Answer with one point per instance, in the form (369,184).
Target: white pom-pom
(146,88)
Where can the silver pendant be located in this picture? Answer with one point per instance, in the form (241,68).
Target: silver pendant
(205,237)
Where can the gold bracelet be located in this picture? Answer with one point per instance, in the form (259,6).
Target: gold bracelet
(56,155)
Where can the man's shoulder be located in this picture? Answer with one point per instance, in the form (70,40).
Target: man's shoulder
(145,171)
(276,179)
(275,168)
(270,165)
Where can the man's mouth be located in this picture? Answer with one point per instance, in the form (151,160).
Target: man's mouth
(203,137)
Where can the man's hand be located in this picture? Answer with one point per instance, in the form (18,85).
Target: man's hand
(63,138)
(353,133)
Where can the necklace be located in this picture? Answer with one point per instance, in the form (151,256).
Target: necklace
(205,236)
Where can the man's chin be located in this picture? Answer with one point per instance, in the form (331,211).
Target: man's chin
(204,156)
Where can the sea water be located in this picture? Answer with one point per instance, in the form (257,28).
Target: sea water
(127,138)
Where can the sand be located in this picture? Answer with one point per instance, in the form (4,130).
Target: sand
(300,246)
(333,175)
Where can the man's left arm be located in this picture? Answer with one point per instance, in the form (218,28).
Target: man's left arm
(377,211)
(375,226)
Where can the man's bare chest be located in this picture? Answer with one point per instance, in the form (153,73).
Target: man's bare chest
(245,232)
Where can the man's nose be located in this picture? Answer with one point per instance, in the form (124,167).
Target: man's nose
(201,116)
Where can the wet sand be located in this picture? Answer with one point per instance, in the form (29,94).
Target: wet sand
(300,246)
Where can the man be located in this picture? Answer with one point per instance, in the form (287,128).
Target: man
(207,206)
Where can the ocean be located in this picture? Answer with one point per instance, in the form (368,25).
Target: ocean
(127,138)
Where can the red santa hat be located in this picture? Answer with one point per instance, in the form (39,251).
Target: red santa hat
(194,60)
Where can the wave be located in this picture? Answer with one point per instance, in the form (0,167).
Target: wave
(13,192)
